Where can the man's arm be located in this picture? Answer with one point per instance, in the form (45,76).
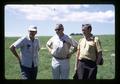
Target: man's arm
(98,50)
(74,44)
(13,50)
(49,48)
(77,57)
(73,51)
(99,57)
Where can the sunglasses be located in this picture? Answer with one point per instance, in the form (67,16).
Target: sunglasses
(57,29)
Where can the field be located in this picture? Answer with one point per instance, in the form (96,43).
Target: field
(107,71)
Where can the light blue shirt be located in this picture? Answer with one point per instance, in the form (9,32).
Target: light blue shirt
(28,51)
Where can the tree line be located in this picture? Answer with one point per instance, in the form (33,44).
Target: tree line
(72,34)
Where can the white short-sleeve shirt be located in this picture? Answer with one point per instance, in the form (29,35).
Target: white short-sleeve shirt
(61,46)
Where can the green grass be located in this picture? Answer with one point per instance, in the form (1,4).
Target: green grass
(107,71)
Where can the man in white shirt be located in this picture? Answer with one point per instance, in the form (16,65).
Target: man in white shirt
(28,57)
(60,48)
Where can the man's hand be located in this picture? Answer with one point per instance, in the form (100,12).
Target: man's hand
(99,60)
(69,55)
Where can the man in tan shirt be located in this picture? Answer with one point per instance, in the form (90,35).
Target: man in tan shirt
(89,53)
(59,46)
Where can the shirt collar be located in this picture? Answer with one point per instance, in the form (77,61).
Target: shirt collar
(92,37)
(28,37)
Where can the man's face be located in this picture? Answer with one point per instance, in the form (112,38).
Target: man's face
(32,33)
(86,31)
(59,31)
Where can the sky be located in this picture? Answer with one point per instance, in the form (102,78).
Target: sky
(18,18)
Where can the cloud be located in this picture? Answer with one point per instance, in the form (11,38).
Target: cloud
(62,13)
(84,16)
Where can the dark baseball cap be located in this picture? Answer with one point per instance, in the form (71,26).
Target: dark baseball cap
(59,26)
(86,26)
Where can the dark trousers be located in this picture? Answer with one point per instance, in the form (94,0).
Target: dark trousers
(87,69)
(29,73)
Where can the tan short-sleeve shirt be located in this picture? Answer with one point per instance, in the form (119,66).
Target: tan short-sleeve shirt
(88,48)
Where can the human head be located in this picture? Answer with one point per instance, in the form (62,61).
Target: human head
(59,29)
(88,26)
(86,29)
(32,31)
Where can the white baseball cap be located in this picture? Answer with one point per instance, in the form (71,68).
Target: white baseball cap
(32,28)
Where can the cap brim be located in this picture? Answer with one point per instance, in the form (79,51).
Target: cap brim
(32,30)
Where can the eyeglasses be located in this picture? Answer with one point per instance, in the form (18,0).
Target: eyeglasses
(57,29)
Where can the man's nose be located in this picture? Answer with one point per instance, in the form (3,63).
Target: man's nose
(83,29)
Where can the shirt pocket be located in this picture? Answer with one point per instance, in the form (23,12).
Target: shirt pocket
(27,47)
(86,48)
(90,48)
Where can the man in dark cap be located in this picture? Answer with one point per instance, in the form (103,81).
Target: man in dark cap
(89,54)
(59,46)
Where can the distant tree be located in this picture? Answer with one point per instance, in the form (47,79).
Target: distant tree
(72,34)
(81,34)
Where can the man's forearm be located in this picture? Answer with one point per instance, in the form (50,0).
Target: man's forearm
(49,49)
(99,57)
(12,48)
(73,51)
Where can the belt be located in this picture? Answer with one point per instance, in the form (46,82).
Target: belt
(86,60)
(60,58)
